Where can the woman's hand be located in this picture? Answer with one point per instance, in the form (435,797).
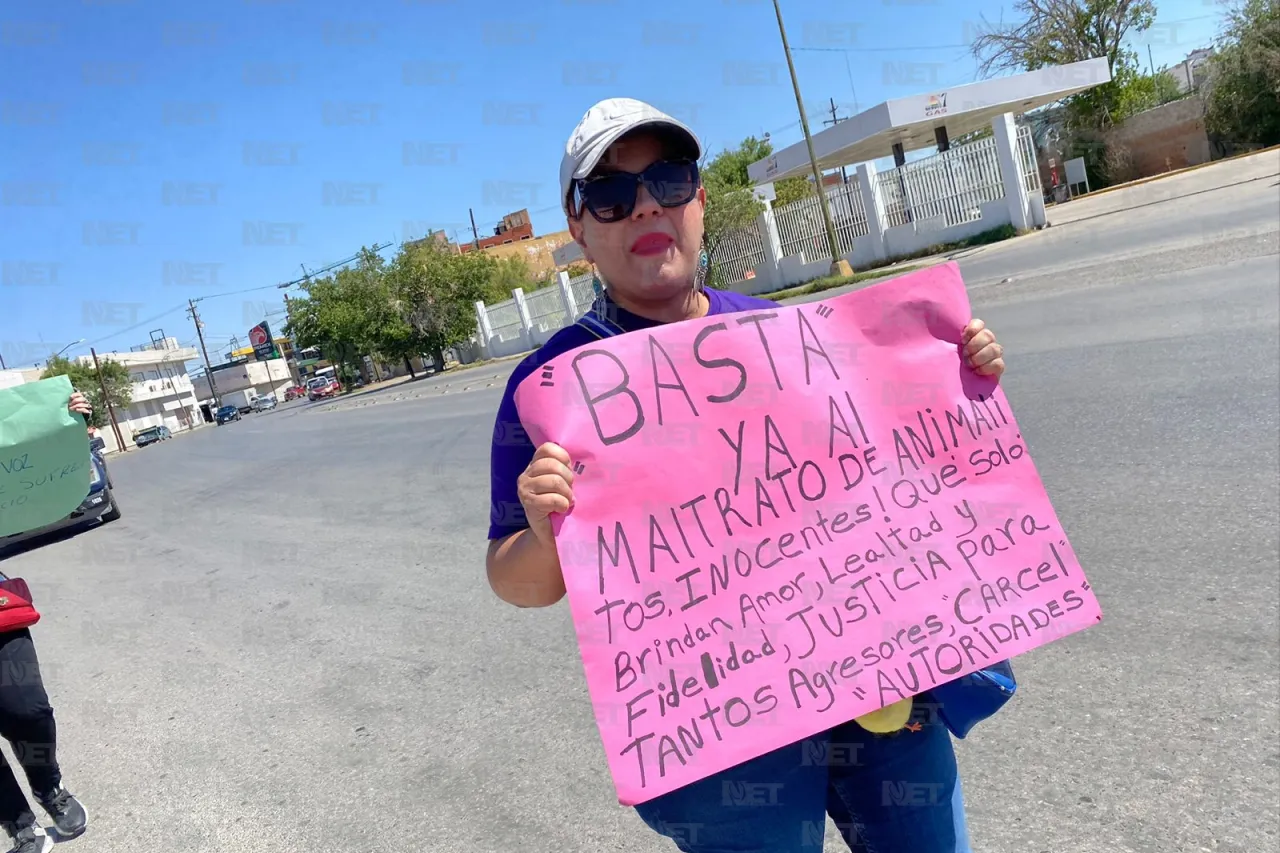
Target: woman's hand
(981,351)
(79,404)
(546,486)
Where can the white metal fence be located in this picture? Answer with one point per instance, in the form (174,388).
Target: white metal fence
(1027,161)
(504,320)
(738,253)
(801,229)
(584,292)
(951,185)
(546,308)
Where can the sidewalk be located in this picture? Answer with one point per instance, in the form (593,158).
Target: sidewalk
(1187,182)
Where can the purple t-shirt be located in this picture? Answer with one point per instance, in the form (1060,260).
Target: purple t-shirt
(513,451)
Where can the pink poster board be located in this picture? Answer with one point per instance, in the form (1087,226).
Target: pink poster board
(785,519)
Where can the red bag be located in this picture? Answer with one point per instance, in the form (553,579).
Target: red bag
(16,610)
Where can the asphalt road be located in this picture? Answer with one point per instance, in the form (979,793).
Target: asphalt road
(288,643)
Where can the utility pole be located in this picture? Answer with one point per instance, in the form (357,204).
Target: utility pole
(208,370)
(474,232)
(838,265)
(844,178)
(106,400)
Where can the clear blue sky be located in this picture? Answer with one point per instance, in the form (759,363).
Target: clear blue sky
(154,151)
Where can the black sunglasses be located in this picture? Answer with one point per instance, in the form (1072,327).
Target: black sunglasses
(612,197)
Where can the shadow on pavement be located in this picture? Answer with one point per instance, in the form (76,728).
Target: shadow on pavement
(37,542)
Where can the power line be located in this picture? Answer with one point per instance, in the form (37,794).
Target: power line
(307,277)
(134,326)
(880,49)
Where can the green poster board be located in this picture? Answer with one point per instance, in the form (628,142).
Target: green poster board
(44,455)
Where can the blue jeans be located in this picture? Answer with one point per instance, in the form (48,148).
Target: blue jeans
(894,794)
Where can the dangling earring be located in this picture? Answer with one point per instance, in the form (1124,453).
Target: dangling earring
(700,277)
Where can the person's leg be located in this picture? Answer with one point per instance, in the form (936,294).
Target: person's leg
(27,722)
(844,819)
(900,794)
(26,718)
(771,804)
(962,826)
(15,811)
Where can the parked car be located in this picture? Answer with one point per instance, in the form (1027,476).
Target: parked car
(151,435)
(98,505)
(294,393)
(264,404)
(226,414)
(321,387)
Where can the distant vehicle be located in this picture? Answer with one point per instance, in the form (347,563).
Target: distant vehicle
(226,414)
(320,387)
(98,504)
(263,404)
(151,435)
(242,400)
(294,393)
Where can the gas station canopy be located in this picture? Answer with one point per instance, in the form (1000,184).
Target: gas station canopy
(913,122)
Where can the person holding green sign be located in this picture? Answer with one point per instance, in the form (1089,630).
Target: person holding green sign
(26,721)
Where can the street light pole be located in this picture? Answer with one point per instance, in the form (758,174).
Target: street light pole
(61,351)
(838,266)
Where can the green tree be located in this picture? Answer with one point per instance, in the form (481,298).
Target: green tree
(791,190)
(1243,82)
(507,274)
(347,314)
(731,205)
(1059,32)
(84,378)
(436,292)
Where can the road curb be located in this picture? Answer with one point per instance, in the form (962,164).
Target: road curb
(1183,171)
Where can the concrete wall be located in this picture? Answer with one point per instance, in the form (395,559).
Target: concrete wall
(539,252)
(1164,138)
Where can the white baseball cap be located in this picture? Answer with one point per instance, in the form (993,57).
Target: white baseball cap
(602,126)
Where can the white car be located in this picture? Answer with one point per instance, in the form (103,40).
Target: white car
(263,404)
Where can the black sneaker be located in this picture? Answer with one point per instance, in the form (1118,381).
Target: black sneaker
(31,839)
(68,815)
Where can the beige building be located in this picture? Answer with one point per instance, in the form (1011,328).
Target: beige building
(261,377)
(538,252)
(162,392)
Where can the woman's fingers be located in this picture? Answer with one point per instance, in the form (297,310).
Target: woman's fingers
(553,451)
(975,326)
(548,484)
(978,342)
(989,361)
(550,466)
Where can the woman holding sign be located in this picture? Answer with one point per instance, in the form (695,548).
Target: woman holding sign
(26,721)
(632,195)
